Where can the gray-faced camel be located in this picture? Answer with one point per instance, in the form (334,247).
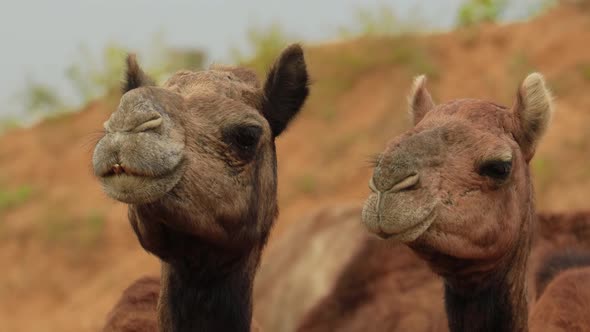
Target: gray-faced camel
(195,161)
(456,189)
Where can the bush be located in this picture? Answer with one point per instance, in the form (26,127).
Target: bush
(13,198)
(79,232)
(306,183)
(372,22)
(8,123)
(40,99)
(265,45)
(474,12)
(92,77)
(380,21)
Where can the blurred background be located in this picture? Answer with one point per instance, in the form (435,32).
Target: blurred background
(67,251)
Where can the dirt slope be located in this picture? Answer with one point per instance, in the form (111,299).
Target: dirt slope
(66,251)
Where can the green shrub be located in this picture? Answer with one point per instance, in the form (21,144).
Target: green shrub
(585,71)
(542,172)
(94,76)
(67,230)
(306,183)
(519,66)
(12,198)
(474,12)
(8,123)
(40,99)
(264,45)
(380,21)
(408,52)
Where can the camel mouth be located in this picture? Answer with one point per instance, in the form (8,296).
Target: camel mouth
(127,171)
(397,224)
(123,170)
(134,186)
(137,168)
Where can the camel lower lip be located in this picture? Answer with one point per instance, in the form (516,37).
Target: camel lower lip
(133,189)
(133,175)
(383,235)
(408,231)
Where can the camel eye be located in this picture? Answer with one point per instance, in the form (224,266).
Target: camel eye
(247,137)
(243,139)
(498,170)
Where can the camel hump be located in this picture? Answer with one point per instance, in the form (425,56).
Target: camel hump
(558,262)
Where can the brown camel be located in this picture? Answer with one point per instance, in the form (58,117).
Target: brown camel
(344,275)
(195,161)
(563,285)
(456,189)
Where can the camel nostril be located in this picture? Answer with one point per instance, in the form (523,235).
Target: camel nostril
(150,124)
(406,183)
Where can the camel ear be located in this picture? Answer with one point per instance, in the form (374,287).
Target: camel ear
(420,100)
(134,75)
(285,89)
(533,109)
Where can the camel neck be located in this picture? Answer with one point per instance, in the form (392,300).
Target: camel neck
(497,301)
(501,307)
(210,293)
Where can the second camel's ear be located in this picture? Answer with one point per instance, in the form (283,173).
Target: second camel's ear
(285,89)
(134,75)
(533,110)
(419,100)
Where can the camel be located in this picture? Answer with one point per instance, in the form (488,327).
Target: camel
(563,284)
(456,190)
(344,275)
(195,161)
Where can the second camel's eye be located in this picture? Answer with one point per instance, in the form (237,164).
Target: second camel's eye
(496,169)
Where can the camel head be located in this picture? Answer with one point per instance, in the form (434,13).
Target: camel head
(197,154)
(456,187)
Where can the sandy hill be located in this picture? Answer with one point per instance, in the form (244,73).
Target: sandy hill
(66,251)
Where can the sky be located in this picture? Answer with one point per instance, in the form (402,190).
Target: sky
(39,39)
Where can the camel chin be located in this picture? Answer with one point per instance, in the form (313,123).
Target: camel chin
(132,189)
